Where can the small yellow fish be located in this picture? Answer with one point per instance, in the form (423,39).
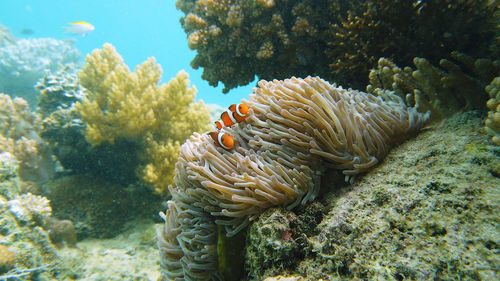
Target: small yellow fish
(79,27)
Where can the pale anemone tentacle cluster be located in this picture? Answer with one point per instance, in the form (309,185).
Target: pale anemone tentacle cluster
(188,241)
(295,128)
(349,129)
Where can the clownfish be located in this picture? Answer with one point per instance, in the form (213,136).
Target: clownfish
(235,114)
(223,140)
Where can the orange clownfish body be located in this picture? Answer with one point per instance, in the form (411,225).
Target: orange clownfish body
(235,114)
(223,140)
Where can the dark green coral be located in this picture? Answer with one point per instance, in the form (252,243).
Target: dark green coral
(337,40)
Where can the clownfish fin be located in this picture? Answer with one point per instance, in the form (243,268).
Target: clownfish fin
(218,124)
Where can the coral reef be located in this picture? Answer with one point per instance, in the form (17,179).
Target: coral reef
(337,40)
(492,123)
(16,120)
(132,105)
(25,61)
(59,90)
(115,95)
(295,129)
(19,136)
(6,38)
(435,218)
(63,131)
(30,208)
(456,85)
(369,30)
(35,256)
(272,244)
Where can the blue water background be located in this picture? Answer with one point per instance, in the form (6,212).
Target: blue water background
(138,29)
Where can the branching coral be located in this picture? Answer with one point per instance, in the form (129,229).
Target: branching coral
(121,104)
(337,40)
(457,84)
(59,90)
(295,129)
(28,207)
(62,128)
(265,35)
(402,30)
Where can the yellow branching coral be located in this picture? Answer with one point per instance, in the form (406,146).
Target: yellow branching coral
(115,95)
(161,168)
(295,129)
(134,106)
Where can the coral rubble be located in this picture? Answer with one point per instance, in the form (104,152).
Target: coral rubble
(295,129)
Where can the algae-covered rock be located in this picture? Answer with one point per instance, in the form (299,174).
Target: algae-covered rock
(26,250)
(97,207)
(271,247)
(7,259)
(428,212)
